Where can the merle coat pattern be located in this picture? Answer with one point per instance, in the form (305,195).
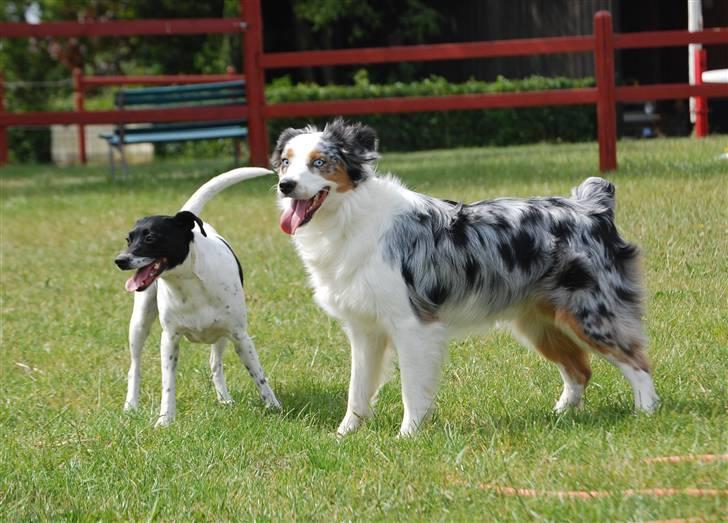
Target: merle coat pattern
(405,272)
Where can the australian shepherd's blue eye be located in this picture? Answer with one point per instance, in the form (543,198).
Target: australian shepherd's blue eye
(318,163)
(284,162)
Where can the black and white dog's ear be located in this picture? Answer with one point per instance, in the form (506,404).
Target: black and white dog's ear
(188,220)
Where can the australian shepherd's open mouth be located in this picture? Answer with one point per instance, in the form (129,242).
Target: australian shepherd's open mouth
(300,212)
(145,276)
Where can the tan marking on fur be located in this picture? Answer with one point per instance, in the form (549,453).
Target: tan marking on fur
(637,359)
(552,343)
(341,177)
(426,317)
(559,348)
(333,172)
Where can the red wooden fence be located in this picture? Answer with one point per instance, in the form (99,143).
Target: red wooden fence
(603,44)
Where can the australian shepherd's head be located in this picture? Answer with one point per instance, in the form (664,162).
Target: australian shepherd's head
(317,167)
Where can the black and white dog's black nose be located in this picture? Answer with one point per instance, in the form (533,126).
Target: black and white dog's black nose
(123,261)
(286,186)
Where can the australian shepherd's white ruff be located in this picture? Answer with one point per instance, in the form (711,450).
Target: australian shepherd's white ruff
(405,272)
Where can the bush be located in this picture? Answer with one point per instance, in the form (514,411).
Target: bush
(434,130)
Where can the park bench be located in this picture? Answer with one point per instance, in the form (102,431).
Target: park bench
(218,93)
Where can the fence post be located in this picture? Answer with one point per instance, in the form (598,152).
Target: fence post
(78,95)
(701,103)
(3,129)
(254,81)
(606,91)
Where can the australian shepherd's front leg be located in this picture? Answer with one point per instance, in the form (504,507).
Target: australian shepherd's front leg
(368,372)
(421,350)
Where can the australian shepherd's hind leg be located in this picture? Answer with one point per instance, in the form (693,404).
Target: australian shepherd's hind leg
(143,315)
(536,328)
(630,358)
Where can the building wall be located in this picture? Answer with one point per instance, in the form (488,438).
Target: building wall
(470,20)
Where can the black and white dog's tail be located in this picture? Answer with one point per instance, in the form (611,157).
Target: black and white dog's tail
(208,190)
(596,190)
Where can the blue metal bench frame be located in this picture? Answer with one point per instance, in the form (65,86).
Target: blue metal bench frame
(217,93)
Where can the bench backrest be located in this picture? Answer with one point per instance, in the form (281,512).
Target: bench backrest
(217,93)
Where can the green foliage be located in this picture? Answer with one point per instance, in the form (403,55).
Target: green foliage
(428,130)
(69,453)
(354,22)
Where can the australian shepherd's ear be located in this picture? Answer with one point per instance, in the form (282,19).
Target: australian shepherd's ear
(286,136)
(357,145)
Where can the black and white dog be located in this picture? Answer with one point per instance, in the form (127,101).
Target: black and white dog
(189,275)
(405,272)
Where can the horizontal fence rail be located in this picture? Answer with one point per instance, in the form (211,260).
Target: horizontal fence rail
(124,116)
(123,28)
(423,53)
(652,39)
(602,44)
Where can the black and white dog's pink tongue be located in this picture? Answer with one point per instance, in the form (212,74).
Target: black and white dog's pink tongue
(139,277)
(294,215)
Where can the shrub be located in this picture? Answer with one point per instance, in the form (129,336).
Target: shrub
(444,129)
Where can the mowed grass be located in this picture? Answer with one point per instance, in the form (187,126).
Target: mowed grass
(67,451)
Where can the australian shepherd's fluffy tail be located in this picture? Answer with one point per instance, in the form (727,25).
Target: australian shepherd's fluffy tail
(409,271)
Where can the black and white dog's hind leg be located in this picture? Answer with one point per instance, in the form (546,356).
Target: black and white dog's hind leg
(245,349)
(218,374)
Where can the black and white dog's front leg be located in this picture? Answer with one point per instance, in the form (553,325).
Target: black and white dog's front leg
(368,368)
(143,315)
(169,358)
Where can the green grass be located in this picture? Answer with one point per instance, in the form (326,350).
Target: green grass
(67,451)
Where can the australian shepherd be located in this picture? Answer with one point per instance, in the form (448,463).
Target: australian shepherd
(405,272)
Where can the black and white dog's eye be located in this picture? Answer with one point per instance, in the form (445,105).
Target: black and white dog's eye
(318,162)
(149,238)
(284,162)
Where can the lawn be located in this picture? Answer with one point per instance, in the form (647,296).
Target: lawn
(67,451)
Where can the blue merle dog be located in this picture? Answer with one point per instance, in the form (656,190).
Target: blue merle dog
(405,272)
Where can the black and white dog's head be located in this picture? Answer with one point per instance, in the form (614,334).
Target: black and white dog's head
(311,164)
(157,244)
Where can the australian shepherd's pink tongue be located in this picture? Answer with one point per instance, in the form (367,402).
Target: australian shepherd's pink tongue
(139,277)
(294,215)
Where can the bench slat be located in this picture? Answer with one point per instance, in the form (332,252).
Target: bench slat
(178,136)
(189,88)
(184,98)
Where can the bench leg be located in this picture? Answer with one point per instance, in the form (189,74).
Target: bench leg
(112,166)
(236,147)
(124,167)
